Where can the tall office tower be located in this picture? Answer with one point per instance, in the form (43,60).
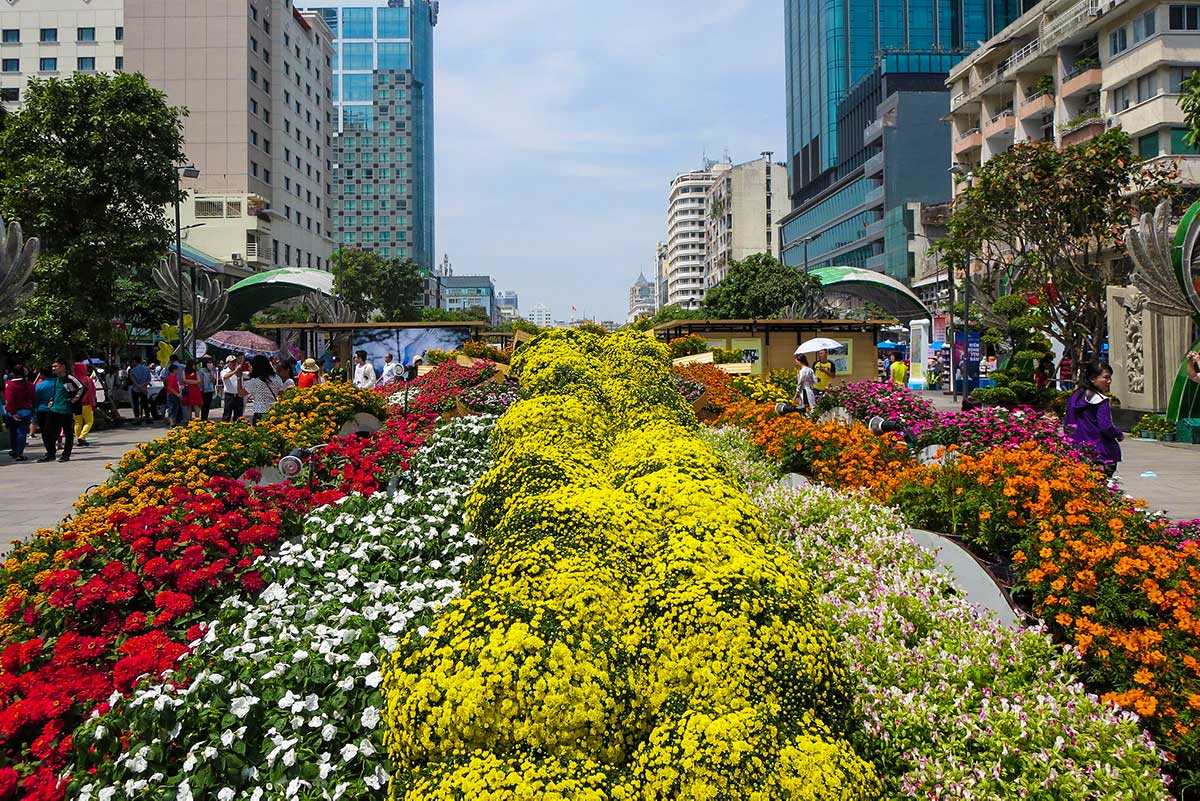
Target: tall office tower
(508,305)
(643,297)
(866,96)
(255,79)
(686,212)
(383,151)
(54,38)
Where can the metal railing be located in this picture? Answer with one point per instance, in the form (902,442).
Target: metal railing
(1030,50)
(1073,19)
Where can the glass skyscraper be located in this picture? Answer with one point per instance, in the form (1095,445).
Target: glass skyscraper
(845,58)
(383,150)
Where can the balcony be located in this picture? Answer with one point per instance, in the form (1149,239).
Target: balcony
(970,140)
(874,165)
(875,263)
(1080,82)
(874,197)
(1149,114)
(996,80)
(873,132)
(873,229)
(1036,105)
(1083,130)
(1025,56)
(1069,24)
(1002,124)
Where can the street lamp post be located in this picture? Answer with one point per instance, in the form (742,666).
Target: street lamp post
(957,170)
(805,240)
(189,171)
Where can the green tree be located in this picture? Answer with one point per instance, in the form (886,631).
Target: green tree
(761,286)
(665,315)
(472,314)
(1189,101)
(369,284)
(1045,223)
(88,165)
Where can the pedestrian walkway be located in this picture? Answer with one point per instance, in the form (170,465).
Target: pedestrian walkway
(40,495)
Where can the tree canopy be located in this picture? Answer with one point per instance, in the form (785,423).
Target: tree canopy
(370,284)
(88,166)
(1045,223)
(761,286)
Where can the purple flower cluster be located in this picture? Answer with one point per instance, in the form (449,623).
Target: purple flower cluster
(1182,532)
(867,399)
(491,397)
(989,427)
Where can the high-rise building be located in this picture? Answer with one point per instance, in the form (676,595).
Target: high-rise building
(507,306)
(54,38)
(462,292)
(383,149)
(540,315)
(643,298)
(256,80)
(744,204)
(865,98)
(686,212)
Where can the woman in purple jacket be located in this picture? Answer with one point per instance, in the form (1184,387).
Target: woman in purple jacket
(1089,417)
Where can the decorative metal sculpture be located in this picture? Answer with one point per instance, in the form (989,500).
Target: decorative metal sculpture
(211,298)
(1168,273)
(323,308)
(18,256)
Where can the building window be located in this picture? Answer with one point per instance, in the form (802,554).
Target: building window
(1179,145)
(1118,41)
(1148,145)
(253,75)
(85,64)
(120,34)
(253,44)
(10,94)
(48,64)
(1147,87)
(393,23)
(358,56)
(1143,26)
(254,169)
(1184,18)
(253,106)
(253,13)
(394,56)
(85,34)
(12,65)
(357,23)
(1177,76)
(12,36)
(48,35)
(119,66)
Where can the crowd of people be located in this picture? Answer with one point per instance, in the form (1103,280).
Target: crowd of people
(58,403)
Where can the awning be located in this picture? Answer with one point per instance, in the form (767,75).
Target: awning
(857,284)
(257,292)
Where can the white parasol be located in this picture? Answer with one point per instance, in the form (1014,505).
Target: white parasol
(819,343)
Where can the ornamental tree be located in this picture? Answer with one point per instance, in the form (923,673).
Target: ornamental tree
(762,286)
(1050,224)
(369,283)
(88,165)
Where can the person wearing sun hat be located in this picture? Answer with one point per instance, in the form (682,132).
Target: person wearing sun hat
(310,374)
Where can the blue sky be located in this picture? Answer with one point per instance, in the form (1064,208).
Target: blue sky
(560,124)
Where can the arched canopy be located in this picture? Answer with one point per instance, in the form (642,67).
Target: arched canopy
(257,292)
(869,286)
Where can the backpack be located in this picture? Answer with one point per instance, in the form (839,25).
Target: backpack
(75,392)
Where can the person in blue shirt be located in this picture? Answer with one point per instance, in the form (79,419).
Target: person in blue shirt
(60,419)
(139,392)
(43,393)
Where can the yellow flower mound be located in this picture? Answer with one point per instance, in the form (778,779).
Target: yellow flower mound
(629,632)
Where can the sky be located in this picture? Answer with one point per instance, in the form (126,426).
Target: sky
(560,125)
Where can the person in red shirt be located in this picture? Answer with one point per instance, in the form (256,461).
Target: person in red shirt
(18,411)
(310,374)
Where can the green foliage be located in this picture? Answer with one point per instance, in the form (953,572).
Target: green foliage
(667,314)
(1040,222)
(473,314)
(994,396)
(87,165)
(727,356)
(369,283)
(761,286)
(1155,424)
(1189,101)
(690,345)
(1044,85)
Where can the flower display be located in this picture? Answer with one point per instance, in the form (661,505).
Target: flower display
(437,391)
(866,399)
(718,384)
(630,631)
(491,397)
(760,391)
(951,732)
(293,674)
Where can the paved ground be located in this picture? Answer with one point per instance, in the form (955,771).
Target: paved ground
(40,495)
(1165,474)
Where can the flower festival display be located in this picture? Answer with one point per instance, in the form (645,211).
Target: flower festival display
(1001,716)
(631,631)
(280,694)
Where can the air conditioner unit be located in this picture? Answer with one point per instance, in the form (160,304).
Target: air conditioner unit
(236,257)
(1111,122)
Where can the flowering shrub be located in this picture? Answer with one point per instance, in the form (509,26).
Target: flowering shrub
(690,390)
(491,397)
(759,391)
(717,383)
(989,427)
(630,632)
(436,391)
(292,675)
(949,698)
(482,350)
(690,345)
(867,399)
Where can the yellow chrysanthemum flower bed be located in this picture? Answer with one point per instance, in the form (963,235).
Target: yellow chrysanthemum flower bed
(630,631)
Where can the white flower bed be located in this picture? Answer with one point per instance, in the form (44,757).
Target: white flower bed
(284,698)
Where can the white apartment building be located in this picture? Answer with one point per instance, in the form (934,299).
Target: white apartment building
(54,38)
(1066,71)
(255,78)
(540,315)
(686,233)
(744,203)
(643,297)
